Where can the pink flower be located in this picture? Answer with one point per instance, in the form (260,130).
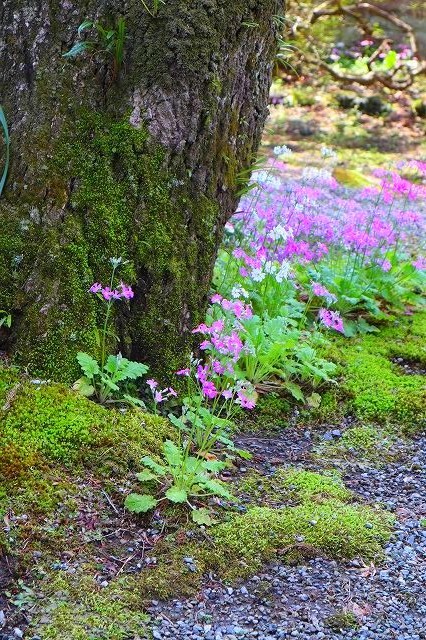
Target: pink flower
(227,394)
(172,392)
(158,396)
(107,293)
(227,305)
(205,345)
(420,263)
(386,265)
(216,298)
(95,288)
(202,373)
(202,328)
(126,291)
(245,402)
(218,367)
(152,384)
(331,319)
(209,390)
(183,372)
(322,292)
(218,326)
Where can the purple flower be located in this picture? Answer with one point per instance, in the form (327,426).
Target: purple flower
(172,392)
(183,372)
(107,293)
(331,319)
(227,394)
(158,396)
(95,288)
(126,291)
(152,384)
(209,390)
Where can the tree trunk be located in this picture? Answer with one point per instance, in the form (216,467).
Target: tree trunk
(139,160)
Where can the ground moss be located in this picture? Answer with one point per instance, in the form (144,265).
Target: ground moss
(292,486)
(330,528)
(372,386)
(76,607)
(51,421)
(366,442)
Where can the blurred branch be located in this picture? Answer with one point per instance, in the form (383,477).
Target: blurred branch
(402,73)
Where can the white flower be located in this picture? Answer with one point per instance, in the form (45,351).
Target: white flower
(312,174)
(283,272)
(269,267)
(282,150)
(326,152)
(238,292)
(279,232)
(257,275)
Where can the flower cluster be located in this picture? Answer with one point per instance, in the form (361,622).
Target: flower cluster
(162,395)
(331,319)
(122,291)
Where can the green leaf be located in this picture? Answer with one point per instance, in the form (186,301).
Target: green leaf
(83,387)
(151,464)
(133,370)
(214,486)
(137,503)
(213,465)
(112,364)
(202,516)
(88,364)
(295,390)
(135,402)
(87,24)
(3,123)
(390,60)
(174,494)
(77,49)
(146,476)
(172,453)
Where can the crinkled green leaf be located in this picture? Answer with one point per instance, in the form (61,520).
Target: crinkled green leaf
(172,453)
(202,516)
(214,486)
(88,364)
(137,503)
(213,465)
(147,461)
(174,494)
(146,476)
(83,387)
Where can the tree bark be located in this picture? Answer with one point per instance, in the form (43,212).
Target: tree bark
(140,162)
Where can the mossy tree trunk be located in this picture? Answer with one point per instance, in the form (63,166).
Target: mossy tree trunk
(141,163)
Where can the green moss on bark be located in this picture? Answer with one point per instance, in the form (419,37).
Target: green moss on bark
(118,199)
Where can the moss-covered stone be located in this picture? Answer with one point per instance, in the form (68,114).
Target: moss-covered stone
(342,620)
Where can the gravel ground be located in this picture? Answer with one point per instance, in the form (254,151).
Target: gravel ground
(389,601)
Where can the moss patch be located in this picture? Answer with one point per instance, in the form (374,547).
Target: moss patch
(79,608)
(364,442)
(330,528)
(374,388)
(52,422)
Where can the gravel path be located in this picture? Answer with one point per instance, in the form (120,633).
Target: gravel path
(295,602)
